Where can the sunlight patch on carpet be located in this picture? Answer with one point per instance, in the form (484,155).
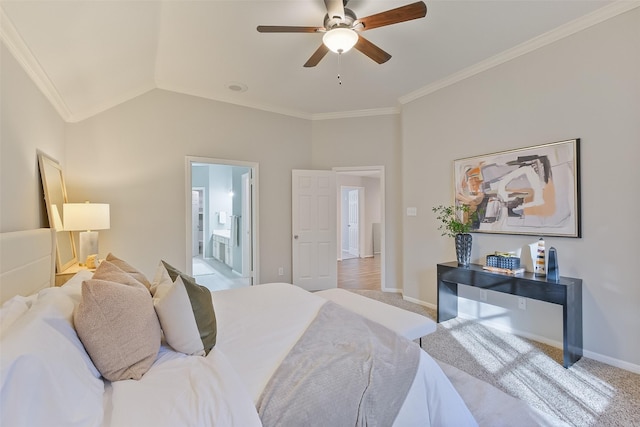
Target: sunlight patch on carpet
(529,374)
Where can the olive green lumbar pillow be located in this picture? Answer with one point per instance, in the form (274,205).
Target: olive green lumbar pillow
(128,268)
(118,327)
(186,313)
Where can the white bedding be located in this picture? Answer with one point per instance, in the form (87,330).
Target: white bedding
(181,390)
(256,329)
(242,315)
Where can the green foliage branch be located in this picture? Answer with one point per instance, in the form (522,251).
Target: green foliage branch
(449,216)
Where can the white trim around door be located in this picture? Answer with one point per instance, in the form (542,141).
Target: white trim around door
(193,160)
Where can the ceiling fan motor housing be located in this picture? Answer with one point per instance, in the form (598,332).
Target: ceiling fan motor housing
(337,21)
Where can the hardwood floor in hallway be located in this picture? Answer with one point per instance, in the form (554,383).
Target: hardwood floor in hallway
(359,273)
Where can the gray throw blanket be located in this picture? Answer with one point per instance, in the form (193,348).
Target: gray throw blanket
(344,371)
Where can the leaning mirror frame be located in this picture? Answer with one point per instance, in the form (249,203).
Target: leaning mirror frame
(55,195)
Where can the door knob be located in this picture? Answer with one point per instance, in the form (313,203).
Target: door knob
(295,236)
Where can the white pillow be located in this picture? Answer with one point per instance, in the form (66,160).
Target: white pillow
(44,362)
(176,318)
(185,310)
(161,278)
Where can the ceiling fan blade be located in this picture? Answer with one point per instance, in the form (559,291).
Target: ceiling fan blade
(394,16)
(371,50)
(317,56)
(287,29)
(335,8)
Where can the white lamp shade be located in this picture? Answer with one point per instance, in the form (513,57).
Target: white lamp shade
(86,216)
(340,40)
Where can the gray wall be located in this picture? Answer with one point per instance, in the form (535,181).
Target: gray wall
(28,122)
(133,157)
(585,86)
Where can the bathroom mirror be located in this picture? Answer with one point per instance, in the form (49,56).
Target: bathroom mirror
(55,195)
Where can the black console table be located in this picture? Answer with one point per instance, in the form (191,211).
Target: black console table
(567,292)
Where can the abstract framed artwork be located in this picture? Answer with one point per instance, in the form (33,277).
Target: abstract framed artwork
(534,190)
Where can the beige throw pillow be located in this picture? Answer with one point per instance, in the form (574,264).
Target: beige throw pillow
(119,328)
(186,313)
(128,268)
(112,273)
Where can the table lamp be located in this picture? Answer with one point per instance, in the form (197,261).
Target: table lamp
(86,218)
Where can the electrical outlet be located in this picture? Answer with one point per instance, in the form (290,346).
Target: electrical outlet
(522,303)
(280,271)
(483,294)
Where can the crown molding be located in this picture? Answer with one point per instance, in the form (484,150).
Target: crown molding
(16,45)
(356,113)
(600,15)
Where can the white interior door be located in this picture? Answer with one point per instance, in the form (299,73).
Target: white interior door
(314,229)
(353,223)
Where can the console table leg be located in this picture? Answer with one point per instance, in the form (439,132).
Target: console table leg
(447,300)
(572,319)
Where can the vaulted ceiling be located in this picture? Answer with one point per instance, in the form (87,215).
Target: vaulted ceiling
(90,55)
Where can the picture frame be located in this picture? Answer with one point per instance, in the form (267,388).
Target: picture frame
(532,191)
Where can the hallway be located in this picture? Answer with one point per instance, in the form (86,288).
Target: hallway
(359,273)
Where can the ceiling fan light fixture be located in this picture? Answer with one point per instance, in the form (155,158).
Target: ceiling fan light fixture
(340,40)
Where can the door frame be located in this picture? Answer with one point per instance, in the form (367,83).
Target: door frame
(383,246)
(361,218)
(255,235)
(193,226)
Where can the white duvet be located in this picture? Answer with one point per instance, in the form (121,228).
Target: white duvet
(257,327)
(182,390)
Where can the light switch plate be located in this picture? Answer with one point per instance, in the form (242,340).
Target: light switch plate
(412,211)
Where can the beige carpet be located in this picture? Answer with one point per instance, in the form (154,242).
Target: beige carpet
(511,381)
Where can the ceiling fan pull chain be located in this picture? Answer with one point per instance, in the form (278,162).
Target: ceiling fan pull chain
(339,68)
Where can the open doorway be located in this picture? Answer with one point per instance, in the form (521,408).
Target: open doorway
(352,222)
(360,227)
(222,222)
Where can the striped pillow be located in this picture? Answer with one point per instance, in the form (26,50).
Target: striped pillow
(185,311)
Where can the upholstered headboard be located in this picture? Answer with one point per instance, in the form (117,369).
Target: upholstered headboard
(27,262)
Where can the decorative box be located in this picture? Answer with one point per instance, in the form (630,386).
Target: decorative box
(499,261)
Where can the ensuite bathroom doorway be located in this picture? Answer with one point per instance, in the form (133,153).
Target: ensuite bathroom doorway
(221,227)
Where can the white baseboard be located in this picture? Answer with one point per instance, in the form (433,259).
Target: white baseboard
(627,366)
(631,367)
(419,302)
(523,334)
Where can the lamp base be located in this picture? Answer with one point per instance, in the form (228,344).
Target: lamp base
(88,245)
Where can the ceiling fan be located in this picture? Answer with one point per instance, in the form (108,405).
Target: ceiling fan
(342,29)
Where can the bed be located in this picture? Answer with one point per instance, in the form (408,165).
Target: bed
(50,376)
